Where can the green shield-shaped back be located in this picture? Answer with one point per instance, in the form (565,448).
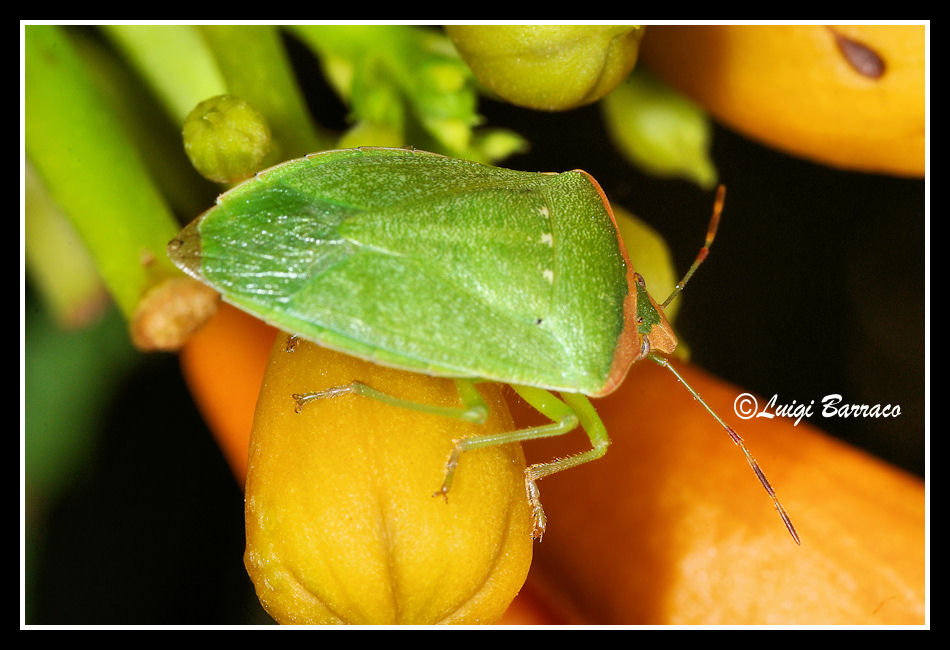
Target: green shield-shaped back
(424,262)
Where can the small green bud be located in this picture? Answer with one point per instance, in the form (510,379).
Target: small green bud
(226,139)
(660,130)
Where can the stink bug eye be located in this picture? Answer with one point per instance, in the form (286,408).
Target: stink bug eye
(450,268)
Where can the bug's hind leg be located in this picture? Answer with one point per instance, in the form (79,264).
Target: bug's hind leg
(565,415)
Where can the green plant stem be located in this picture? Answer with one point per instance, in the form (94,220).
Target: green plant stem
(255,67)
(175,61)
(92,170)
(60,268)
(149,125)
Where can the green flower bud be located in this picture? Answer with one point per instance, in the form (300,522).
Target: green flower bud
(226,139)
(548,67)
(660,130)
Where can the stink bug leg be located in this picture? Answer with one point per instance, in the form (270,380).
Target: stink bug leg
(565,415)
(473,410)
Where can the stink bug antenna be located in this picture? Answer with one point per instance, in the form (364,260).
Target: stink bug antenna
(704,251)
(737,439)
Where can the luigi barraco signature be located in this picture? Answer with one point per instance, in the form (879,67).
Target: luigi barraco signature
(746,407)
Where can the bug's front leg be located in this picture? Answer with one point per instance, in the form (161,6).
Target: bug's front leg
(538,519)
(473,409)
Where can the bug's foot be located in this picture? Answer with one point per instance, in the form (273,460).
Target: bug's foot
(449,474)
(291,344)
(538,520)
(301,399)
(443,491)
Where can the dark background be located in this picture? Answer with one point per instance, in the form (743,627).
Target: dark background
(815,285)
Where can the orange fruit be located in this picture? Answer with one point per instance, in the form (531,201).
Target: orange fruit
(223,364)
(343,520)
(846,96)
(672,527)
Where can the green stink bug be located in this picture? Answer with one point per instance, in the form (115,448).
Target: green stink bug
(450,268)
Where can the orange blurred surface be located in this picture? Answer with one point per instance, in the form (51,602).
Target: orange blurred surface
(792,87)
(224,364)
(671,526)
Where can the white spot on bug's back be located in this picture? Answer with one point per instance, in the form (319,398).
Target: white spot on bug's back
(547,238)
(548,275)
(543,210)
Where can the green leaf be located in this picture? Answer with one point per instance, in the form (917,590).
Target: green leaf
(68,378)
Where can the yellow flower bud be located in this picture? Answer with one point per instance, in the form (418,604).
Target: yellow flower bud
(226,139)
(343,525)
(548,67)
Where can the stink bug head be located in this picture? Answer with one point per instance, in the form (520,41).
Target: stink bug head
(652,325)
(653,333)
(647,331)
